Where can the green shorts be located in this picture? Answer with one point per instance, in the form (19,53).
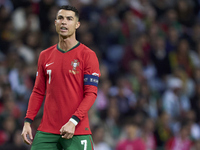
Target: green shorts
(49,141)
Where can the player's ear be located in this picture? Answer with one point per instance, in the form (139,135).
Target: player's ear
(78,24)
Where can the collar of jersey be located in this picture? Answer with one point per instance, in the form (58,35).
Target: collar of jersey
(61,50)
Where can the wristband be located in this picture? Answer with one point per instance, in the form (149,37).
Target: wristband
(73,121)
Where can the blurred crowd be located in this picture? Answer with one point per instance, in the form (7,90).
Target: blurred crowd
(149,54)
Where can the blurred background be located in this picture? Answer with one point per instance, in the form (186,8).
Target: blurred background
(149,54)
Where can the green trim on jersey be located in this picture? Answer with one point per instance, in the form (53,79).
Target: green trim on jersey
(49,141)
(63,51)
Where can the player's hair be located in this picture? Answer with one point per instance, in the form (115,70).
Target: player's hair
(72,8)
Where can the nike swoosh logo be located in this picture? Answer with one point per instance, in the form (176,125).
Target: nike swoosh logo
(49,64)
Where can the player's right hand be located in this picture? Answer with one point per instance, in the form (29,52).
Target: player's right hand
(27,131)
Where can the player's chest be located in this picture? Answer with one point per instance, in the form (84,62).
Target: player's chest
(60,65)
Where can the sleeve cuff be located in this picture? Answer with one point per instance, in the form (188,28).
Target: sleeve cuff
(75,120)
(28,120)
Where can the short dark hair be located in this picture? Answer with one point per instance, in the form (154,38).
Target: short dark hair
(72,8)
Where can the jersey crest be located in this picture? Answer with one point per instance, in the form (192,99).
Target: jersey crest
(74,64)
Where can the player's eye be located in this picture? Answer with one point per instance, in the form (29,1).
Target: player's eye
(69,18)
(60,17)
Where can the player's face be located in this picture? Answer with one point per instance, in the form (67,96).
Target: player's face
(66,23)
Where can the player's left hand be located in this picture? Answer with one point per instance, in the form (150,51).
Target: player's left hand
(67,130)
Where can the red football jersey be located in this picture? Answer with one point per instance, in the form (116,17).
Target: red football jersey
(69,81)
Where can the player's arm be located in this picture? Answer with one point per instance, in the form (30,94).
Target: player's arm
(91,79)
(35,101)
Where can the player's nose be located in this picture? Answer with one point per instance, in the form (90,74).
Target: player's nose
(64,21)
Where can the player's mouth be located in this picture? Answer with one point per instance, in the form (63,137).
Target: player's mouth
(63,29)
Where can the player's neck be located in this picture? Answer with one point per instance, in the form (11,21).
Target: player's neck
(67,43)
